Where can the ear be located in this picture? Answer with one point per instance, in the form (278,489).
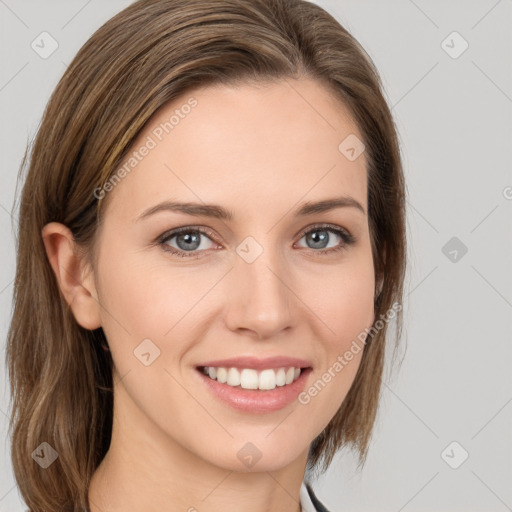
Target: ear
(75,283)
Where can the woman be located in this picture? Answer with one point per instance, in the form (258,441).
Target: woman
(211,245)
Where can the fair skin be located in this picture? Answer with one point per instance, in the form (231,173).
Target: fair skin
(260,152)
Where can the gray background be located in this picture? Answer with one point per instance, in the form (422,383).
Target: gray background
(454,119)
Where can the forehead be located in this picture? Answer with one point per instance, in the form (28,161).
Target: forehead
(243,146)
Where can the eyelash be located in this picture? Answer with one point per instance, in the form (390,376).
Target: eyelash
(347,239)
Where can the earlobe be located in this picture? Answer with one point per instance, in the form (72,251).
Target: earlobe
(77,285)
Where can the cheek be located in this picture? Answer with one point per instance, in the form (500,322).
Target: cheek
(129,302)
(351,308)
(145,297)
(342,297)
(345,305)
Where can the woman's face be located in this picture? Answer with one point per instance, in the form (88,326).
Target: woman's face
(250,280)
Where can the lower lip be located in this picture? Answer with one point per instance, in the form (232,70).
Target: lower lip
(254,400)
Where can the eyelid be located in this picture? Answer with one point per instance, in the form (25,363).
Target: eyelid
(167,235)
(177,231)
(348,237)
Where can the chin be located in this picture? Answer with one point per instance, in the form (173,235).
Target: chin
(247,454)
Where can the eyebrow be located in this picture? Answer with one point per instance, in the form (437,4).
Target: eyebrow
(218,212)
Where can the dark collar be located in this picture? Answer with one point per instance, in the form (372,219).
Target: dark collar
(316,502)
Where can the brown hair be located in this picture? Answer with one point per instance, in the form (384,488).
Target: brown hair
(144,57)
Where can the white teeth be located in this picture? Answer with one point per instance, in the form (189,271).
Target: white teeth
(281,377)
(233,377)
(222,375)
(267,379)
(248,378)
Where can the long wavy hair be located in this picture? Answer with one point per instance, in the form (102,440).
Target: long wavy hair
(150,53)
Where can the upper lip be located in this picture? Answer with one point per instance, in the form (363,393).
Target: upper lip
(257,363)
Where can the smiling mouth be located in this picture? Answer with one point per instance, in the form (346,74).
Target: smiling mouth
(251,379)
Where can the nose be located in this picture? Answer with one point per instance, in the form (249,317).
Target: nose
(260,297)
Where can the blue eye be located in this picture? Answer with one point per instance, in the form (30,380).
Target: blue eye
(320,236)
(187,241)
